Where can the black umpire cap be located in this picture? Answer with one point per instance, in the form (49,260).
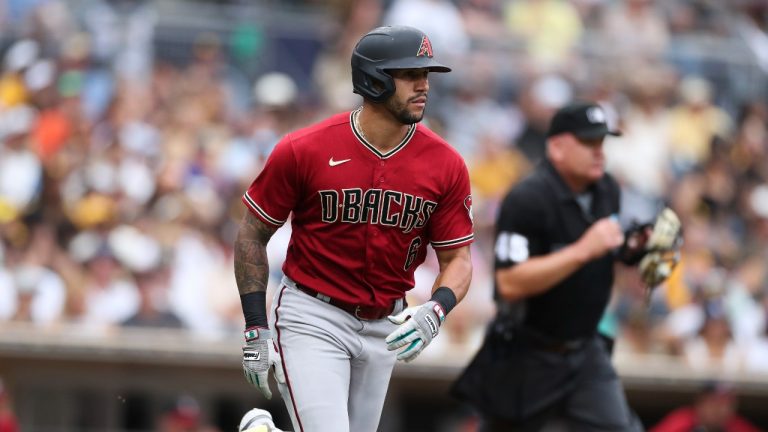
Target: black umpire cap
(586,120)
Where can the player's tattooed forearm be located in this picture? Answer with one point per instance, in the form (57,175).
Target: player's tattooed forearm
(251,264)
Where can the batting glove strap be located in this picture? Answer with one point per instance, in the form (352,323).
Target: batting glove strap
(255,333)
(446,298)
(418,325)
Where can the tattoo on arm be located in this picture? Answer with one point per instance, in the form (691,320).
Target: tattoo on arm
(251,264)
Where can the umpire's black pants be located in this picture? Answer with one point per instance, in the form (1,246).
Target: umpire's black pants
(592,399)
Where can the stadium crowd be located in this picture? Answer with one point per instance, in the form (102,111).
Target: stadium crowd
(121,168)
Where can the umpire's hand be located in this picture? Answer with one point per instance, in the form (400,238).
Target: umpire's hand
(602,237)
(259,354)
(418,325)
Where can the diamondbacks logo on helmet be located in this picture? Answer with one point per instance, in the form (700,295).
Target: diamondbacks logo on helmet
(425,49)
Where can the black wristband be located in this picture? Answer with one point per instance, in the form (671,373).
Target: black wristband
(254,309)
(445,297)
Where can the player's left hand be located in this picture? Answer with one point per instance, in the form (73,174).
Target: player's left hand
(418,325)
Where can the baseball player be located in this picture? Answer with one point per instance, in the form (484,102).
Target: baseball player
(369,191)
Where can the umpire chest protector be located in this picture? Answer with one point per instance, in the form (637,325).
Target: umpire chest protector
(542,215)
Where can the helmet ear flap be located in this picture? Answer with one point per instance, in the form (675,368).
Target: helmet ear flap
(372,83)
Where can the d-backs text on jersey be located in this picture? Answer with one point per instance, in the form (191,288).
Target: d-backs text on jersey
(376,206)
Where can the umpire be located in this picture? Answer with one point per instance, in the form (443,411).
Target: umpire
(555,240)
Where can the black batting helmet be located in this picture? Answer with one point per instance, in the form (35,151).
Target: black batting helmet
(387,48)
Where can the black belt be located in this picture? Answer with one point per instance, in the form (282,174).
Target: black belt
(368,313)
(543,342)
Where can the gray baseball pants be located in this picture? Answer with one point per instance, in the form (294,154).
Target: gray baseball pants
(337,367)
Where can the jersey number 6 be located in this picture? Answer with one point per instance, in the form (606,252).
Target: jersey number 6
(413,251)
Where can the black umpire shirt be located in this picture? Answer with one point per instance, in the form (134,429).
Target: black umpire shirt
(541,215)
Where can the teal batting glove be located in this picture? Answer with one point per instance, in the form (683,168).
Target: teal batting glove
(418,325)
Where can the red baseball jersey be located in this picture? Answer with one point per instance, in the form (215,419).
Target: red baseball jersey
(362,219)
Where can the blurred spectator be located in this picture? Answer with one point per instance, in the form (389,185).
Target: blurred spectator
(8,421)
(153,304)
(277,95)
(483,19)
(751,140)
(635,31)
(645,138)
(40,295)
(695,123)
(538,104)
(212,77)
(638,321)
(109,296)
(750,25)
(473,113)
(53,128)
(84,83)
(197,259)
(743,300)
(275,90)
(122,33)
(185,416)
(714,348)
(713,410)
(31,290)
(21,173)
(756,355)
(549,29)
(695,282)
(331,75)
(637,336)
(440,19)
(495,168)
(7,289)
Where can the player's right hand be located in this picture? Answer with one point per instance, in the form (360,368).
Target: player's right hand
(259,354)
(603,236)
